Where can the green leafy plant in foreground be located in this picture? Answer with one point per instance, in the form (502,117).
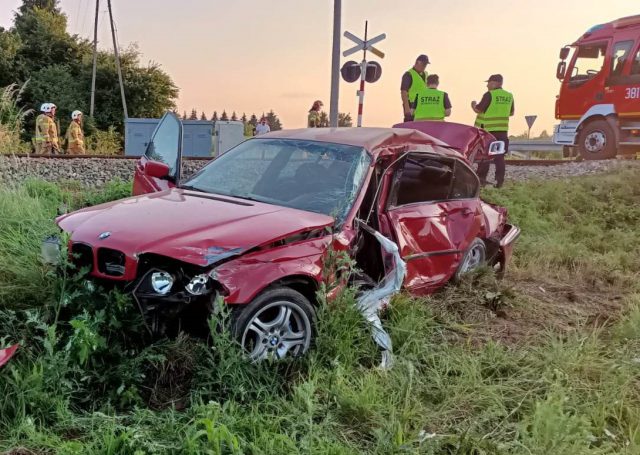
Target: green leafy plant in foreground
(87,380)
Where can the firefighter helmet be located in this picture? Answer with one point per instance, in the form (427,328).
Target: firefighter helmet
(44,107)
(76,115)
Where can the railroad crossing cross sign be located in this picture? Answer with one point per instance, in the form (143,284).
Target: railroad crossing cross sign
(364,44)
(369,71)
(530,119)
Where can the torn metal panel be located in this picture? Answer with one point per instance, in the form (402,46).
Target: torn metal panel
(243,278)
(372,301)
(7,353)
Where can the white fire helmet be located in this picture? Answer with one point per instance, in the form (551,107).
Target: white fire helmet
(76,115)
(48,107)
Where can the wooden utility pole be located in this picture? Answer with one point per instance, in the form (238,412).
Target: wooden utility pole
(117,55)
(95,60)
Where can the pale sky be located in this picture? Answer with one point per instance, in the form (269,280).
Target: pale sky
(251,56)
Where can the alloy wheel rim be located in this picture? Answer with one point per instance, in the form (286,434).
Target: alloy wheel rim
(277,330)
(595,142)
(474,259)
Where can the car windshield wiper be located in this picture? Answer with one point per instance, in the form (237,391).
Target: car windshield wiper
(192,188)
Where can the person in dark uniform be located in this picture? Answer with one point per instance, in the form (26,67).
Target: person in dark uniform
(494,110)
(413,81)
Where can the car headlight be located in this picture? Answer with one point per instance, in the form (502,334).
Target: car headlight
(199,285)
(50,250)
(162,282)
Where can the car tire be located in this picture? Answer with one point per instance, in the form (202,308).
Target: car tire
(278,323)
(596,141)
(474,257)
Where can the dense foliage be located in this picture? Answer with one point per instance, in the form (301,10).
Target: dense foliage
(88,380)
(58,66)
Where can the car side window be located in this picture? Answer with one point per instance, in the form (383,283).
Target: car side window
(465,183)
(423,178)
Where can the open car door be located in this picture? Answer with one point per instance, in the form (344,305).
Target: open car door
(160,167)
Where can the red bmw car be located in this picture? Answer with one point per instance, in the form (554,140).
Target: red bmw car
(255,226)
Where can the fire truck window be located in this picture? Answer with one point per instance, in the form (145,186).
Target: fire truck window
(635,66)
(589,62)
(619,56)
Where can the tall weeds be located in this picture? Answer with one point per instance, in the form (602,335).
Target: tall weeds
(86,380)
(12,117)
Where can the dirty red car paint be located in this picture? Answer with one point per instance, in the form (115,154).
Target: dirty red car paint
(7,353)
(255,226)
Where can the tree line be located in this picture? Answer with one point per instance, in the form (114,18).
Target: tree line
(57,67)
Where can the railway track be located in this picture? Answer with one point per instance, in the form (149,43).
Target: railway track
(510,162)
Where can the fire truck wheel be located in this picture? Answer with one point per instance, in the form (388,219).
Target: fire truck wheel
(596,141)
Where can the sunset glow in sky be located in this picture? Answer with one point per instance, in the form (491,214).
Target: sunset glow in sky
(252,56)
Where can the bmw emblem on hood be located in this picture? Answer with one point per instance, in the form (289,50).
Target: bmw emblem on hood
(104,235)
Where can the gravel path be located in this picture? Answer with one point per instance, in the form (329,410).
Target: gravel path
(96,171)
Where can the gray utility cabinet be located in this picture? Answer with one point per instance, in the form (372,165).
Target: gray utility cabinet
(227,134)
(200,137)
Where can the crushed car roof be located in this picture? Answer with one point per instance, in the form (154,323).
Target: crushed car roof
(371,139)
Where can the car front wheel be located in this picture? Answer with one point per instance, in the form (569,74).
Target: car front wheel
(278,323)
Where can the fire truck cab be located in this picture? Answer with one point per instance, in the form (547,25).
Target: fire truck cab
(599,101)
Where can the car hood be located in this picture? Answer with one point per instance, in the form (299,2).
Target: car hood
(194,227)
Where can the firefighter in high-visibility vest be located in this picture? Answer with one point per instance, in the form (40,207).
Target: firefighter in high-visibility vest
(494,111)
(412,81)
(75,135)
(47,131)
(432,104)
(41,129)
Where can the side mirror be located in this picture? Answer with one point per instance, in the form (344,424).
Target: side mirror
(561,69)
(497,148)
(564,52)
(156,169)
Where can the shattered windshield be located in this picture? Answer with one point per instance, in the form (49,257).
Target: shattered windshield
(307,175)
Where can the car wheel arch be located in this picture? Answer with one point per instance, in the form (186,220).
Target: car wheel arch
(306,285)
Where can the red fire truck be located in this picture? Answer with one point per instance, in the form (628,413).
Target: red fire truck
(599,101)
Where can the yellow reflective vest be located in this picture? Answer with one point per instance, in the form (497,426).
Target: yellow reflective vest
(417,84)
(430,105)
(496,117)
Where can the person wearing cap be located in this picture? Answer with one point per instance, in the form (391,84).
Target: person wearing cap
(313,119)
(75,135)
(412,81)
(494,110)
(262,127)
(432,104)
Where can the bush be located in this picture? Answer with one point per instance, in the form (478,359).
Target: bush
(12,119)
(105,142)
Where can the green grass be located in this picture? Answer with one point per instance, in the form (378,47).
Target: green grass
(87,381)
